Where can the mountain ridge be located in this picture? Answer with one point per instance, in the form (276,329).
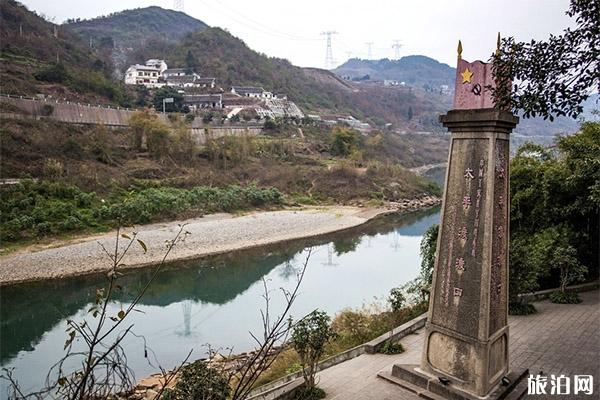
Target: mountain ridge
(416,70)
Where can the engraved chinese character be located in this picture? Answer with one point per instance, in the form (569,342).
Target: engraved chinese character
(466,202)
(462,233)
(500,171)
(481,163)
(469,173)
(457,292)
(501,201)
(460,264)
(500,230)
(584,384)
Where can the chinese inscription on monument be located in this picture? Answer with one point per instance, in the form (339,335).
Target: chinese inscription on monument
(467,333)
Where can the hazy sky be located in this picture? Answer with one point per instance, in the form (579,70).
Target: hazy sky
(292,29)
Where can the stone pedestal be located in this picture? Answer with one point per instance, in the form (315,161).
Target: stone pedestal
(466,342)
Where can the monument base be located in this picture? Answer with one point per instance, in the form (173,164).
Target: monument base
(410,377)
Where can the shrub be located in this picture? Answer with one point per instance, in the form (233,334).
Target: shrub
(396,299)
(309,337)
(391,348)
(521,308)
(53,168)
(198,381)
(307,393)
(565,298)
(344,141)
(56,73)
(189,117)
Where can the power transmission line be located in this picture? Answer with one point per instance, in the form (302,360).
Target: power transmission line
(223,9)
(329,63)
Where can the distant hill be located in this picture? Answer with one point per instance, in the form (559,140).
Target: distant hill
(135,27)
(41,57)
(414,70)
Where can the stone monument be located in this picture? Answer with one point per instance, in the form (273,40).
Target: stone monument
(465,354)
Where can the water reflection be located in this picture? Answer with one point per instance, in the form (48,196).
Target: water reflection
(214,300)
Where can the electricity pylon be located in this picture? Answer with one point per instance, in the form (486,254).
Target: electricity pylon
(396,46)
(369,50)
(329,63)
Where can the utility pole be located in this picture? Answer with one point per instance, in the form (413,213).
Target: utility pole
(178,5)
(329,63)
(396,46)
(369,50)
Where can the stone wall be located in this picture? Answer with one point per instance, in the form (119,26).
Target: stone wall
(77,113)
(71,112)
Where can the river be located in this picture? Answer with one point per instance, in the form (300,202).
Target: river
(215,300)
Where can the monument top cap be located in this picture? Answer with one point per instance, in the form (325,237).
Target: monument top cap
(472,82)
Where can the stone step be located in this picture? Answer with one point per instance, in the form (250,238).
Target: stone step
(425,394)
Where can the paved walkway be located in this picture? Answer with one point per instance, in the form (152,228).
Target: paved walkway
(559,339)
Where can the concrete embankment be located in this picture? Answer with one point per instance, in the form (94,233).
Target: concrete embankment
(77,113)
(214,234)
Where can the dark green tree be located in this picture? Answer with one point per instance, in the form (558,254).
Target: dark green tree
(166,92)
(553,77)
(309,337)
(344,141)
(190,61)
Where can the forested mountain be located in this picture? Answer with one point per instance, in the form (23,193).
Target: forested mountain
(39,56)
(132,28)
(414,70)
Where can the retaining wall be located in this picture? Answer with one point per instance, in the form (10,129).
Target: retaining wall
(71,112)
(77,113)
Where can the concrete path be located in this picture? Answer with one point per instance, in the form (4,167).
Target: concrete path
(560,339)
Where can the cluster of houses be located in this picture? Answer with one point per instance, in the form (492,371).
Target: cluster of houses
(202,92)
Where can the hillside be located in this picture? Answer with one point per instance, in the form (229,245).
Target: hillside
(132,28)
(414,70)
(219,54)
(38,56)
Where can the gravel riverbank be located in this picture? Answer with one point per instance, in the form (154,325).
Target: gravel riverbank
(209,235)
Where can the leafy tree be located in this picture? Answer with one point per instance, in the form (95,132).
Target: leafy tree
(146,125)
(553,77)
(166,92)
(564,260)
(190,60)
(344,141)
(420,286)
(396,299)
(309,337)
(56,73)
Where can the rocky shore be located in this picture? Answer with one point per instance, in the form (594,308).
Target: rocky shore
(214,234)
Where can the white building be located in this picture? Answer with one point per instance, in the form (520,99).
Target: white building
(143,75)
(161,65)
(251,91)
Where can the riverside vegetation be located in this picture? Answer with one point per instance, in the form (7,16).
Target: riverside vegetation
(90,179)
